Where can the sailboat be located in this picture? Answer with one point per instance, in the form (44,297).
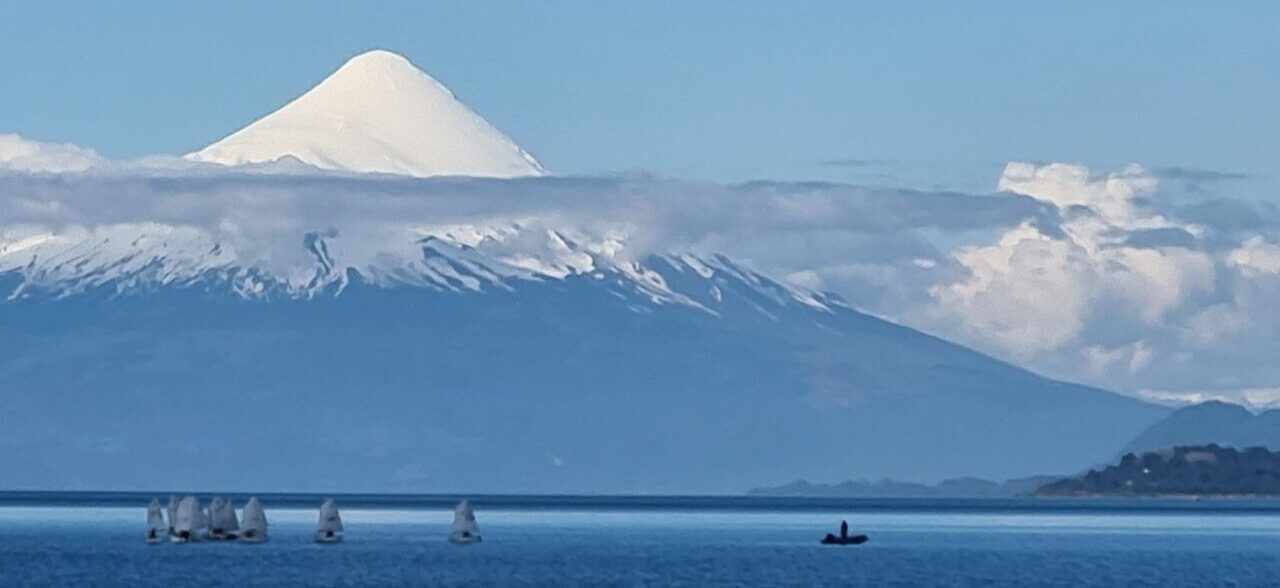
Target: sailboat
(214,506)
(253,523)
(188,520)
(157,529)
(171,510)
(329,529)
(223,525)
(465,529)
(202,517)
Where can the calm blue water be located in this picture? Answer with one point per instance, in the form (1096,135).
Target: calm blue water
(70,546)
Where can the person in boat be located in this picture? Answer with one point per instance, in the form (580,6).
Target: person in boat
(844,538)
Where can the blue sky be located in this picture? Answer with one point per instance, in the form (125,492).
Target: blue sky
(924,94)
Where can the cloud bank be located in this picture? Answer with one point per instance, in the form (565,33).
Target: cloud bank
(19,154)
(1107,278)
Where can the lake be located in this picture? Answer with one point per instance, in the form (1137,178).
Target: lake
(700,543)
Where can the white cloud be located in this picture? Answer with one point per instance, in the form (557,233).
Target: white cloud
(1086,276)
(1256,257)
(17,153)
(1027,292)
(1133,357)
(1034,290)
(1065,185)
(807,279)
(1256,398)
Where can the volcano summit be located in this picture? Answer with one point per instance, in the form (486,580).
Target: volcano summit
(378,113)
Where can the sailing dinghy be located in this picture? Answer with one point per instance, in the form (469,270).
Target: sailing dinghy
(465,529)
(157,529)
(171,511)
(329,529)
(189,519)
(223,525)
(253,524)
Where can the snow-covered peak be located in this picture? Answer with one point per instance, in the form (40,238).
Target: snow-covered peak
(378,113)
(460,258)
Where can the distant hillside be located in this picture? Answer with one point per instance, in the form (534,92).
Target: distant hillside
(1203,470)
(1211,422)
(465,372)
(953,488)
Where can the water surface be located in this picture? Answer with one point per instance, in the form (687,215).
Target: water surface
(704,547)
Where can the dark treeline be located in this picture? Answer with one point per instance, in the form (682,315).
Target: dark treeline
(1201,470)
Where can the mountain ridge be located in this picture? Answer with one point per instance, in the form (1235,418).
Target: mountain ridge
(669,374)
(1212,422)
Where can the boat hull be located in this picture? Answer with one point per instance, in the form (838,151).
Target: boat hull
(328,538)
(850,540)
(184,537)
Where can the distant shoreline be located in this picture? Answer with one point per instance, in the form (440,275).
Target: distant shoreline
(727,503)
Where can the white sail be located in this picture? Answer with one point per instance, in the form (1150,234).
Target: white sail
(157,529)
(329,529)
(229,516)
(222,519)
(465,529)
(214,506)
(253,528)
(188,520)
(172,510)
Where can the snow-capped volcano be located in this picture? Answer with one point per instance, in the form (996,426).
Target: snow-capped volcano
(471,335)
(378,113)
(505,357)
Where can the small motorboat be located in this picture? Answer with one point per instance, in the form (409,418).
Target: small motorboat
(844,538)
(849,540)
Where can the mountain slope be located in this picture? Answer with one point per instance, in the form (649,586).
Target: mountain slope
(1209,423)
(489,364)
(424,337)
(377,113)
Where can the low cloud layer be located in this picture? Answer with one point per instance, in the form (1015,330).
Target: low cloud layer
(19,154)
(1108,278)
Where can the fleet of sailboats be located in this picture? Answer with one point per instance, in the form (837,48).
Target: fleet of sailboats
(188,521)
